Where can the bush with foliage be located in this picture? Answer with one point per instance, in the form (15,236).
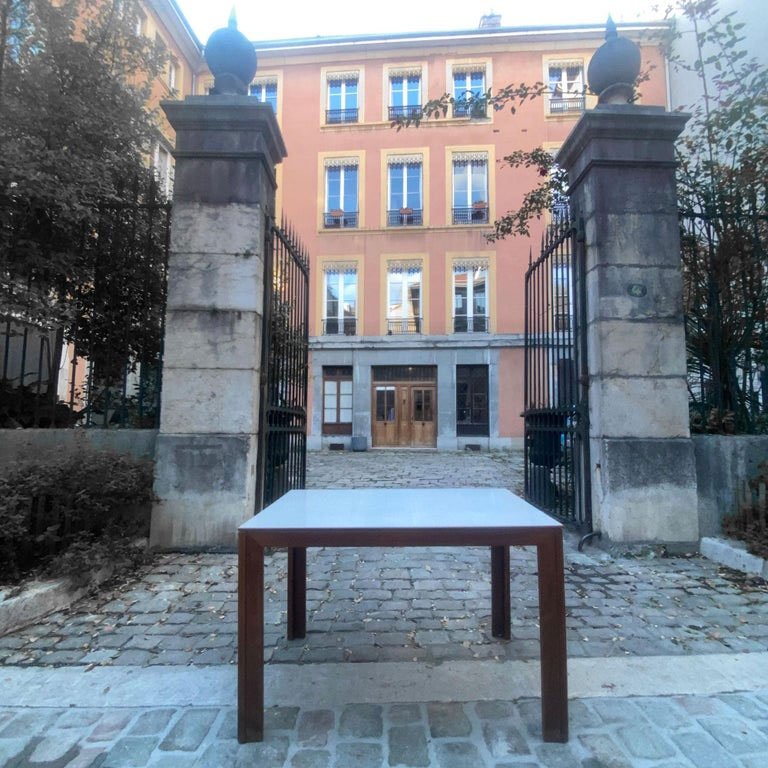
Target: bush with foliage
(750,523)
(72,513)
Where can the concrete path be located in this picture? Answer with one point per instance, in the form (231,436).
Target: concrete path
(668,658)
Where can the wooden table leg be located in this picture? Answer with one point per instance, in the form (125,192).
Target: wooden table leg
(554,663)
(297,592)
(501,617)
(250,640)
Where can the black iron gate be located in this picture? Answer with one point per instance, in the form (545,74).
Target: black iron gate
(283,403)
(557,471)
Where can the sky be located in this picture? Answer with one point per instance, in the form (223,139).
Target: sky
(281,19)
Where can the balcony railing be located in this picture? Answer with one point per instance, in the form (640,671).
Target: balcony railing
(475,214)
(404,217)
(335,116)
(470,324)
(334,326)
(403,325)
(561,106)
(470,109)
(408,111)
(340,219)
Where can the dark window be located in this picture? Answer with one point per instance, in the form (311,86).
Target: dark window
(472,400)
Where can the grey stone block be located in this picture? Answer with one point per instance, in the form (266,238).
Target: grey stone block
(314,727)
(703,751)
(271,753)
(447,719)
(311,758)
(130,752)
(503,739)
(408,746)
(152,722)
(358,755)
(361,721)
(458,754)
(190,730)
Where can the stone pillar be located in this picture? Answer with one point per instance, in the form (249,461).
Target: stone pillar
(227,148)
(621,171)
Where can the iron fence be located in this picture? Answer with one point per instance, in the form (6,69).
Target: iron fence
(725,288)
(84,348)
(284,366)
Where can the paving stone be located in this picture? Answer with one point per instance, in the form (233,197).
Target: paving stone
(110,726)
(645,743)
(314,727)
(616,711)
(11,748)
(78,718)
(407,746)
(60,748)
(189,731)
(130,752)
(606,753)
(458,754)
(402,714)
(152,722)
(219,754)
(271,753)
(664,713)
(503,739)
(358,755)
(174,761)
(447,719)
(132,657)
(27,723)
(361,721)
(90,757)
(703,751)
(311,758)
(748,706)
(497,710)
(736,737)
(556,756)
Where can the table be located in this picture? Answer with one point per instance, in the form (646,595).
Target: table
(378,517)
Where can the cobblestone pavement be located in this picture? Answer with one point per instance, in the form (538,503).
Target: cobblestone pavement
(388,605)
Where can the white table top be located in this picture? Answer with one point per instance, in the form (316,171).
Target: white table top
(399,508)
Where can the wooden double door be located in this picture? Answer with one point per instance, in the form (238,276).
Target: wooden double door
(404,414)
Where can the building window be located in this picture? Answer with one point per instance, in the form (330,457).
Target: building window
(566,87)
(468,87)
(470,188)
(163,169)
(404,299)
(404,94)
(265,91)
(562,307)
(340,194)
(340,310)
(337,400)
(404,174)
(173,73)
(342,106)
(472,400)
(470,297)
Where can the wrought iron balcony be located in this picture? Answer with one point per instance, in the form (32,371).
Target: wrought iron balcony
(335,116)
(396,326)
(475,214)
(407,111)
(563,105)
(470,324)
(338,219)
(470,108)
(404,217)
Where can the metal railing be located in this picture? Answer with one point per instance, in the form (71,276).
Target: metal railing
(397,326)
(405,217)
(565,104)
(340,327)
(336,116)
(407,111)
(340,219)
(471,215)
(471,323)
(470,108)
(97,362)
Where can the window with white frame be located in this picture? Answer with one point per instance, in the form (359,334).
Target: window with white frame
(404,190)
(341,190)
(342,102)
(337,400)
(566,87)
(404,93)
(404,298)
(468,87)
(470,188)
(163,165)
(173,73)
(265,90)
(470,296)
(340,305)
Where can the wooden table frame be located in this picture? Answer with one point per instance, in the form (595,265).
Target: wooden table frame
(547,538)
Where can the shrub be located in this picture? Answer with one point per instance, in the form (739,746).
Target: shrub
(69,513)
(750,523)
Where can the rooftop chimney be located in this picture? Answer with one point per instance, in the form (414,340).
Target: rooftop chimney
(490,20)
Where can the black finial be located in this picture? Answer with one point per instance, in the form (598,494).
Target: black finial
(614,68)
(231,59)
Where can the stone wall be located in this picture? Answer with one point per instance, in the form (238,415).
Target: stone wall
(20,444)
(723,464)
